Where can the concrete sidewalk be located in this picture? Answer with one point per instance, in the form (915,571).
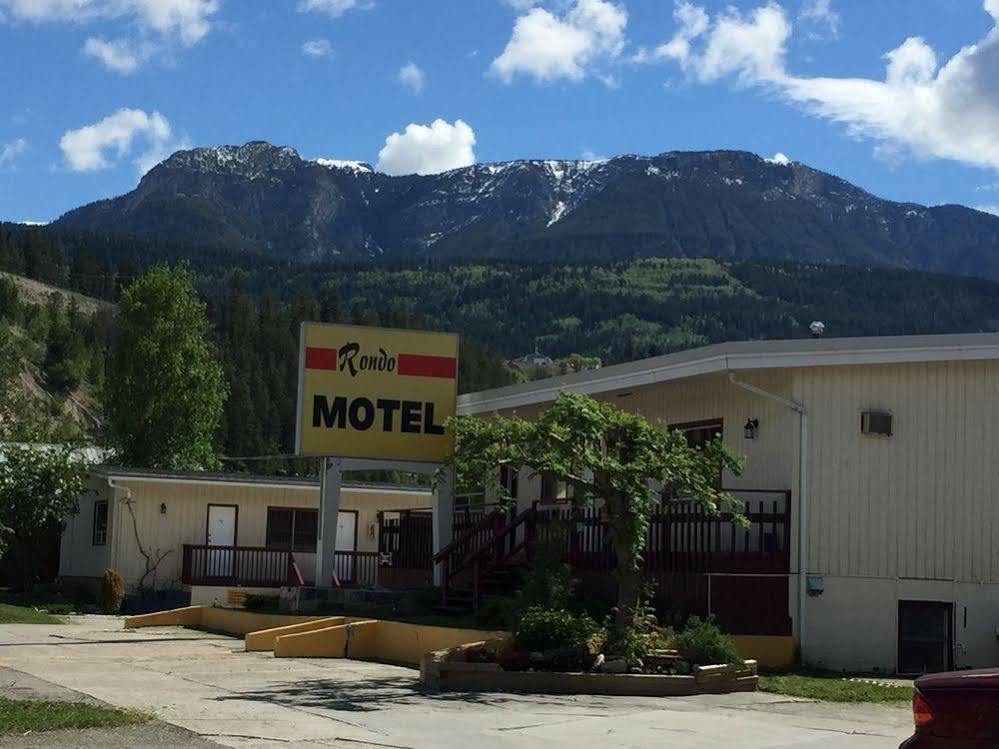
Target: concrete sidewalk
(207,684)
(15,685)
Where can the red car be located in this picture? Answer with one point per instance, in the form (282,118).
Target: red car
(956,710)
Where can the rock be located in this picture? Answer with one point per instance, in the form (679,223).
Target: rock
(682,667)
(635,670)
(615,666)
(536,657)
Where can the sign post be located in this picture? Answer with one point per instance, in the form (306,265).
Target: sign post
(373,398)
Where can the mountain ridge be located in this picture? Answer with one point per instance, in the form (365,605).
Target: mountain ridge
(730,204)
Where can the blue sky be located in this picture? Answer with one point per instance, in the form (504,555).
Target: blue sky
(889,95)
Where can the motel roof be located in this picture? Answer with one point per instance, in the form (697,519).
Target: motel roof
(740,356)
(244,479)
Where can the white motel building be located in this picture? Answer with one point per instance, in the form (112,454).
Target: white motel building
(873,467)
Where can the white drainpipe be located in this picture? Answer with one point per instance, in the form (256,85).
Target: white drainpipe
(802,498)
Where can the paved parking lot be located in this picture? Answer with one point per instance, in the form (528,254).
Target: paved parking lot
(206,684)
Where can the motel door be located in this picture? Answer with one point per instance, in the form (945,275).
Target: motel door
(222,533)
(346,540)
(925,637)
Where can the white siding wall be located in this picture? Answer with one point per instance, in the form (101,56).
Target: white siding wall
(78,557)
(910,517)
(920,504)
(184,522)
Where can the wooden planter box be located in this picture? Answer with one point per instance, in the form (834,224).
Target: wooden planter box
(447,671)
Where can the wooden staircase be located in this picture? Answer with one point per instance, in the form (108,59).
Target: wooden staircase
(487,559)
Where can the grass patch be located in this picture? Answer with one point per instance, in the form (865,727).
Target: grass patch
(47,599)
(834,688)
(25,615)
(21,716)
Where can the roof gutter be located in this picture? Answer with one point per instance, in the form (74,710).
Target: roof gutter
(802,496)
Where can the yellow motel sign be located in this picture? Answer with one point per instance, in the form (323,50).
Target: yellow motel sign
(375,392)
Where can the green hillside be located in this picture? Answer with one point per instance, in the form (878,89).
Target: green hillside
(616,311)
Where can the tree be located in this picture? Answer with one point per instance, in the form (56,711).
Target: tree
(39,487)
(64,364)
(11,398)
(165,387)
(600,452)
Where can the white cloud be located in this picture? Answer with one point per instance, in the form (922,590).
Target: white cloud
(317,48)
(990,208)
(187,20)
(158,23)
(779,159)
(549,47)
(118,55)
(333,8)
(692,21)
(424,149)
(412,77)
(10,151)
(820,13)
(104,143)
(950,111)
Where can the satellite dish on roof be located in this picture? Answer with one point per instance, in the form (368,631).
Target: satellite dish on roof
(817,329)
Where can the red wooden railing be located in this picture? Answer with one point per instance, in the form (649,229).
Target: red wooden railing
(239,565)
(406,538)
(682,538)
(452,557)
(355,569)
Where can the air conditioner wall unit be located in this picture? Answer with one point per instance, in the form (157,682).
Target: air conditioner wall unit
(876,423)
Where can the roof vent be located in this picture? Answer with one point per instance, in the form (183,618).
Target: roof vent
(817,329)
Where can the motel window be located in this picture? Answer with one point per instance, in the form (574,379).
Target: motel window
(466,502)
(510,478)
(292,528)
(100,533)
(553,490)
(700,433)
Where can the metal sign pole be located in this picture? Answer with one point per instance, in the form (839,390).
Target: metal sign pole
(330,482)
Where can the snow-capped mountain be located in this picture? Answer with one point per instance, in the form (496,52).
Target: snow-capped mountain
(723,203)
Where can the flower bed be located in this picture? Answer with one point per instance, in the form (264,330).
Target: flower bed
(473,668)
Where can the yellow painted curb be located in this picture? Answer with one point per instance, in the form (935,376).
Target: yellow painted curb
(770,651)
(263,640)
(189,616)
(328,642)
(394,642)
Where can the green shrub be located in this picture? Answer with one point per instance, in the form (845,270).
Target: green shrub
(541,629)
(256,602)
(645,635)
(634,643)
(498,611)
(704,644)
(550,582)
(111,592)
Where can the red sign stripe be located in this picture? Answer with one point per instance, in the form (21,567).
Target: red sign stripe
(422,365)
(320,358)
